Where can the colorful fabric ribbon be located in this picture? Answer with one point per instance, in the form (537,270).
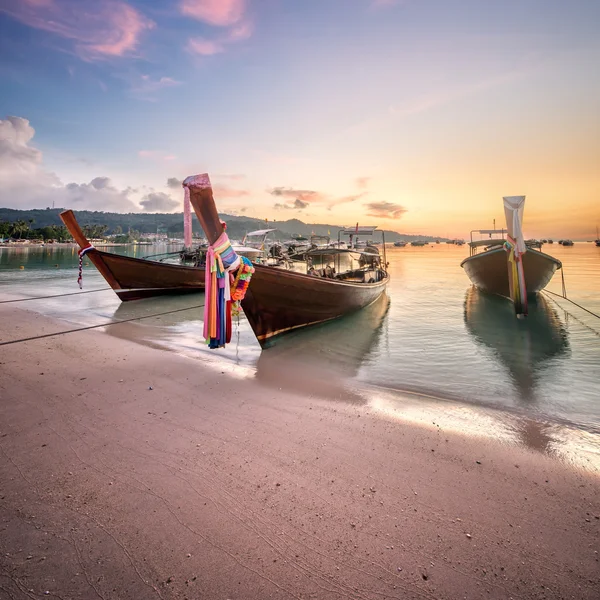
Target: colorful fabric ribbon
(82,253)
(221,261)
(518,291)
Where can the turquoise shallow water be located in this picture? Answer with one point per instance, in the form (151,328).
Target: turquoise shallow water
(433,335)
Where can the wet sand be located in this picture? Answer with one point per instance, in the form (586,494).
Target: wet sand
(131,472)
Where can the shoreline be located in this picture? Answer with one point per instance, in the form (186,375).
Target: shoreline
(214,486)
(560,438)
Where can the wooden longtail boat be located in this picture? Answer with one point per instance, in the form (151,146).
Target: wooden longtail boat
(279,301)
(136,278)
(507,266)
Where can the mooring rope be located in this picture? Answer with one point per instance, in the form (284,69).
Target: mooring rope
(47,335)
(564,295)
(54,296)
(572,302)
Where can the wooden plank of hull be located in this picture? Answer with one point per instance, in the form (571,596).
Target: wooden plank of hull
(279,301)
(489,271)
(145,278)
(136,278)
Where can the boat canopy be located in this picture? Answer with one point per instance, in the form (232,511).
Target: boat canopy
(362,230)
(332,250)
(489,231)
(246,249)
(259,232)
(495,242)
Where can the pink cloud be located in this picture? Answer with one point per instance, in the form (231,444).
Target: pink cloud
(147,84)
(301,199)
(225,191)
(227,14)
(99,29)
(207,47)
(222,13)
(241,32)
(385,210)
(204,47)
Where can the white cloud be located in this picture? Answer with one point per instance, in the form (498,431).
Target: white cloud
(144,87)
(174,183)
(158,202)
(25,183)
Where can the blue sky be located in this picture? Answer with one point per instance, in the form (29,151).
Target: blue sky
(415,114)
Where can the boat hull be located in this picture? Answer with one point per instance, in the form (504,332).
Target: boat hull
(137,278)
(490,273)
(278,301)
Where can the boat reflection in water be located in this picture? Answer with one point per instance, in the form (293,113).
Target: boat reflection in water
(320,361)
(155,322)
(524,346)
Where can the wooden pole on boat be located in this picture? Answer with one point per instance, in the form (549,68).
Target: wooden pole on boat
(201,197)
(68,218)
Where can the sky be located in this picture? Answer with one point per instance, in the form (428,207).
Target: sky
(414,115)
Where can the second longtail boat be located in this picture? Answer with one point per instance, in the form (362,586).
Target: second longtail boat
(508,266)
(279,301)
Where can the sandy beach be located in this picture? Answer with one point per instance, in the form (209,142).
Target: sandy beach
(132,472)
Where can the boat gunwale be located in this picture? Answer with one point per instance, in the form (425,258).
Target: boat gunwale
(317,279)
(495,250)
(124,257)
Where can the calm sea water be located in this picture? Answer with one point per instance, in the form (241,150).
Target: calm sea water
(434,335)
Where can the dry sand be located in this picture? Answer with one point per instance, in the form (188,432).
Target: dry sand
(210,486)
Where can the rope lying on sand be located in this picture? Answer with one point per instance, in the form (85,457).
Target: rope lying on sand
(54,296)
(47,335)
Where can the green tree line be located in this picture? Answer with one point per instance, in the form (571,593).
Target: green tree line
(23,230)
(171,224)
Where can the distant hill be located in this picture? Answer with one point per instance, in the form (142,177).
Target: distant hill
(172,223)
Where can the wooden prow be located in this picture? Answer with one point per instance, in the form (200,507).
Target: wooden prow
(201,198)
(68,218)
